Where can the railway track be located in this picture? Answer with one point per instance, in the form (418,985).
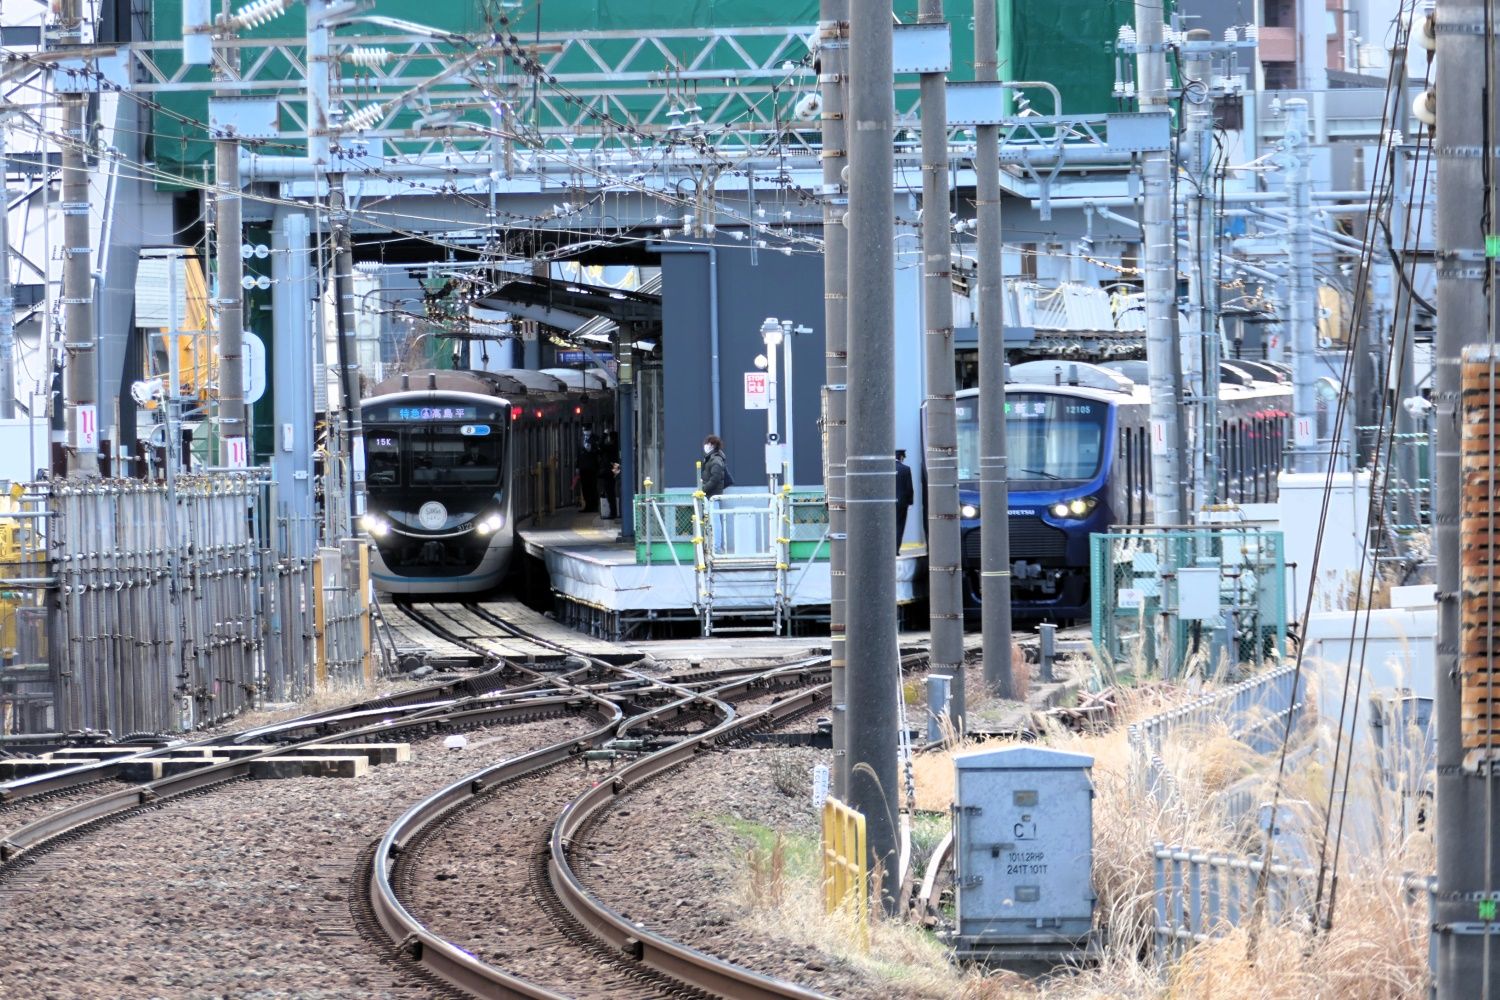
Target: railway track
(530,805)
(526,678)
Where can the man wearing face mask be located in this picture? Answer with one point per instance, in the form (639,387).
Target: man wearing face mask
(714,475)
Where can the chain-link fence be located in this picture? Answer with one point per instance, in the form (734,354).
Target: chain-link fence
(1165,598)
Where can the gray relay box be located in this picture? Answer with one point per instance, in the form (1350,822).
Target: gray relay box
(1023,849)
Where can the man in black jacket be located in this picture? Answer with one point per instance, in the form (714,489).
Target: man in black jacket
(905,494)
(714,475)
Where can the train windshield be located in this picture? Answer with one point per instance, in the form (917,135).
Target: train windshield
(440,456)
(1048,437)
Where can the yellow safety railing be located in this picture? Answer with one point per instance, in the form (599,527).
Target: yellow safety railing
(845,870)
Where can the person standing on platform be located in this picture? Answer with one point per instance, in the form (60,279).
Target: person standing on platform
(609,471)
(588,475)
(714,474)
(905,495)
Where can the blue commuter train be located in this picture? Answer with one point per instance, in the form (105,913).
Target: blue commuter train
(1079,457)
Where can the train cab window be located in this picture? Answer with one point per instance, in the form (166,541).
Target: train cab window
(448,457)
(383,458)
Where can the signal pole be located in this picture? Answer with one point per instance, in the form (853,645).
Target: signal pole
(233,427)
(873,686)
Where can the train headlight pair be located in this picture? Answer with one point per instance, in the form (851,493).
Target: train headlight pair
(490,524)
(376,525)
(1075,508)
(968,511)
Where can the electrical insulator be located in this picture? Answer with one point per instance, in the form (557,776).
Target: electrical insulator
(368,56)
(1424,107)
(365,117)
(258,13)
(1127,35)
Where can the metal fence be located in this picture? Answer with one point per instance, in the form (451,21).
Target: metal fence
(1163,597)
(129,608)
(1254,711)
(1201,895)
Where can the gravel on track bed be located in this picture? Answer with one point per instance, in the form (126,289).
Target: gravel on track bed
(242,893)
(14,815)
(674,830)
(474,879)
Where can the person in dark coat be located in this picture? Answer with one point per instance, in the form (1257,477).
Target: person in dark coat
(714,475)
(609,471)
(588,475)
(905,495)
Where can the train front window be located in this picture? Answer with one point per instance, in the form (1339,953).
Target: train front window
(446,456)
(1048,437)
(383,458)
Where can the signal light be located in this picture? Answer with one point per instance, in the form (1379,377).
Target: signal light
(577,411)
(539,414)
(515,413)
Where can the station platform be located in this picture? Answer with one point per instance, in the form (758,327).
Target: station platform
(607,587)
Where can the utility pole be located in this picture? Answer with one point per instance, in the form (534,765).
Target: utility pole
(81,380)
(348,348)
(233,438)
(944,574)
(1302,312)
(1201,364)
(1158,241)
(833,36)
(994,475)
(1468,841)
(7,295)
(873,687)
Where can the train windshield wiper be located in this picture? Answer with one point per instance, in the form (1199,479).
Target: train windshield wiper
(1039,472)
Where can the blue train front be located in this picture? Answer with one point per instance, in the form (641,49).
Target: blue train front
(1060,458)
(1079,459)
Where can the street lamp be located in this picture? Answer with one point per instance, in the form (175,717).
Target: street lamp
(771,336)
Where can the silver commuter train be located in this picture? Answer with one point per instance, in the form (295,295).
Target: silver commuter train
(456,461)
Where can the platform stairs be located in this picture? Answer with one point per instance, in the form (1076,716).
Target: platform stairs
(743,553)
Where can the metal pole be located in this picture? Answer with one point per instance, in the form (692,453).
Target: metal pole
(873,689)
(7,296)
(789,460)
(1467,836)
(1159,281)
(944,575)
(1200,364)
(994,486)
(770,334)
(1302,292)
(292,292)
(232,424)
(833,35)
(78,283)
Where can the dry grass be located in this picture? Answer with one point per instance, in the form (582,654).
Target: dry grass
(1375,949)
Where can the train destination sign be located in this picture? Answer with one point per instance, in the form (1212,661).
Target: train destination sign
(410,413)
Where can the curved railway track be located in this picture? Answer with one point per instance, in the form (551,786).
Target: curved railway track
(623,959)
(665,721)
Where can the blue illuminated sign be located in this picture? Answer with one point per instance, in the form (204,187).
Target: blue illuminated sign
(418,413)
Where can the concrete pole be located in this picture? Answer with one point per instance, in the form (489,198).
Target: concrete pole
(348,348)
(7,295)
(1199,348)
(944,574)
(994,476)
(234,441)
(81,381)
(833,35)
(1158,240)
(1302,291)
(292,293)
(874,681)
(1468,839)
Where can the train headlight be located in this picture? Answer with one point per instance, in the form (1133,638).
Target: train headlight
(490,524)
(968,511)
(1075,508)
(375,525)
